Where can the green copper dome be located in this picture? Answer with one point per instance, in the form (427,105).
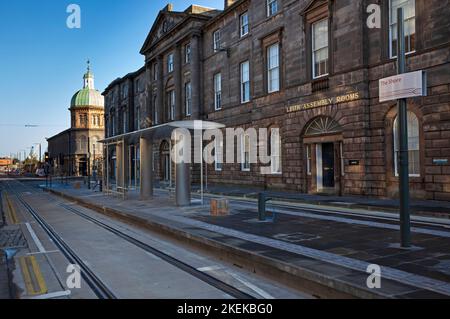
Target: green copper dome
(88,96)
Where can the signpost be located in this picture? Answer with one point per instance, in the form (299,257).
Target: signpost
(405,219)
(400,87)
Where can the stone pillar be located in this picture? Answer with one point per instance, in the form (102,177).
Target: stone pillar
(195,77)
(160,89)
(146,147)
(178,85)
(120,177)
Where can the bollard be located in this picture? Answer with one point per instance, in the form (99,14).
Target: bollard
(100,186)
(262,200)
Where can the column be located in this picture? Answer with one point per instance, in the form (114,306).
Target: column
(178,85)
(160,89)
(146,168)
(120,165)
(195,77)
(182,173)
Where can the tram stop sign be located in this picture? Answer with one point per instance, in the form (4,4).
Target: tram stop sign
(403,86)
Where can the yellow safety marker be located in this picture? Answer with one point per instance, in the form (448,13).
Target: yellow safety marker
(11,211)
(32,276)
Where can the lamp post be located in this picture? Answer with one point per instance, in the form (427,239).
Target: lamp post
(405,219)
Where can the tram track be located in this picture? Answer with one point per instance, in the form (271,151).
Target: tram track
(99,288)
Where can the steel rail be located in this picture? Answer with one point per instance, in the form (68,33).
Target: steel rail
(100,289)
(210,280)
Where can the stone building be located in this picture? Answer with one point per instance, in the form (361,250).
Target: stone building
(309,68)
(72,150)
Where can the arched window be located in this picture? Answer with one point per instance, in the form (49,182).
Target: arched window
(413,145)
(323,125)
(83,143)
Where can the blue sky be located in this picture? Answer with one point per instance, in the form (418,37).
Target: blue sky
(42,61)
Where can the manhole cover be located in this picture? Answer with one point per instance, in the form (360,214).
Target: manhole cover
(296,237)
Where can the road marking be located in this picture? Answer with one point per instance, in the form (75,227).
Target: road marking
(32,276)
(11,211)
(35,238)
(43,252)
(256,289)
(209,268)
(51,295)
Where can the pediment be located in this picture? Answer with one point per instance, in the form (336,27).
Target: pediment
(314,4)
(164,23)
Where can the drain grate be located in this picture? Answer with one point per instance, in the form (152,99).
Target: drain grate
(12,237)
(296,237)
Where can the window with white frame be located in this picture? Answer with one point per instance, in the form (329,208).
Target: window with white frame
(244,25)
(413,145)
(216,40)
(308,159)
(245,153)
(275,151)
(137,119)
(272,7)
(155,110)
(218,91)
(320,50)
(218,155)
(187,53)
(137,86)
(245,82)
(273,68)
(409,12)
(188,98)
(171,105)
(170,63)
(113,124)
(125,121)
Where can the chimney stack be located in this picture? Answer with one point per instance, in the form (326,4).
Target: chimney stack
(168,8)
(229,3)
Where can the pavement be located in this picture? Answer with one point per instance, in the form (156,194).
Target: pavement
(327,252)
(418,207)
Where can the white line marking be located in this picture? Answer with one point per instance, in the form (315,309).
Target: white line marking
(43,252)
(256,289)
(35,238)
(51,295)
(210,268)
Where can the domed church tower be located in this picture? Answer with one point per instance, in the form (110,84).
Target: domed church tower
(87,105)
(76,151)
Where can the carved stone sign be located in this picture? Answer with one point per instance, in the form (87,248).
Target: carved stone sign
(324,102)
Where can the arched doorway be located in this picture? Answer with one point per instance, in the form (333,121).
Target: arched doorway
(322,140)
(164,152)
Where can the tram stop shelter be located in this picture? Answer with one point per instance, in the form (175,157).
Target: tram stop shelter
(146,139)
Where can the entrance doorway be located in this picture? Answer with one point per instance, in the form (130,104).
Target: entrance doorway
(325,166)
(165,171)
(323,148)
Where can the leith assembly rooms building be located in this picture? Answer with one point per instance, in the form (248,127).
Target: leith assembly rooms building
(309,68)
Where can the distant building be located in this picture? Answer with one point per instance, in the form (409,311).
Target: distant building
(5,162)
(69,150)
